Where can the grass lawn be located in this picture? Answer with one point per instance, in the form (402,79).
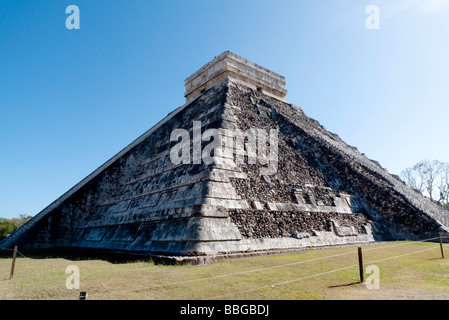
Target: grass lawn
(408,270)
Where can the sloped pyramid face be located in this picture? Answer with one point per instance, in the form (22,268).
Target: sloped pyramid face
(307,188)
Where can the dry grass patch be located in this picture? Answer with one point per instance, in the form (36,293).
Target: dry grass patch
(411,274)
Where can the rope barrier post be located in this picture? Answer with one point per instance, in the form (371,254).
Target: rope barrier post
(83,295)
(13,264)
(362,278)
(441,247)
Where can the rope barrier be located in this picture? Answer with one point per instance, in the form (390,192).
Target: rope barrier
(242,272)
(36,286)
(21,254)
(224,275)
(401,244)
(402,255)
(256,270)
(283,282)
(313,276)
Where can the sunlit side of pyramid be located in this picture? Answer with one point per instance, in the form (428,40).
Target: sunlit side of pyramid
(319,191)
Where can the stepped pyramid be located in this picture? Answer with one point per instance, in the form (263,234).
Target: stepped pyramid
(235,171)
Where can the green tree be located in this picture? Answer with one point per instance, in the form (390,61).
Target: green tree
(8,226)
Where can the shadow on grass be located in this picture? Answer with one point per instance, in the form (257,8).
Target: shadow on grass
(345,285)
(432,259)
(81,255)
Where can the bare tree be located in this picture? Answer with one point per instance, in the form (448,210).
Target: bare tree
(430,178)
(411,178)
(444,185)
(430,174)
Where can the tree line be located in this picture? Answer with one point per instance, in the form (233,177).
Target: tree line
(8,226)
(429,178)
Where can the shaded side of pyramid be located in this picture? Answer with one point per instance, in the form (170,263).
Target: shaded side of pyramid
(140,201)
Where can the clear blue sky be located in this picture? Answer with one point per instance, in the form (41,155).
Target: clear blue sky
(71,99)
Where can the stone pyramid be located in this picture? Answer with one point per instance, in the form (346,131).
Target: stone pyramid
(235,171)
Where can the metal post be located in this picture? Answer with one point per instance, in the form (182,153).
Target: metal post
(441,247)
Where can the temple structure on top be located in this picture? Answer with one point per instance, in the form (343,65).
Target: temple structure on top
(231,66)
